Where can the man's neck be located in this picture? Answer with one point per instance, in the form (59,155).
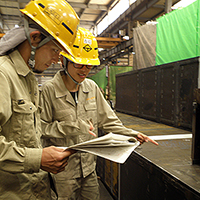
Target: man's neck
(69,84)
(25,51)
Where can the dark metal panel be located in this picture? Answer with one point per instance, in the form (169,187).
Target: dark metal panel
(114,178)
(127,98)
(108,173)
(164,93)
(196,128)
(148,92)
(142,179)
(100,168)
(188,76)
(167,94)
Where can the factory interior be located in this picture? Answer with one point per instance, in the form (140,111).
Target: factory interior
(149,73)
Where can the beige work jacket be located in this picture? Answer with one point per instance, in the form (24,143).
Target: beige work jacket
(63,120)
(20,131)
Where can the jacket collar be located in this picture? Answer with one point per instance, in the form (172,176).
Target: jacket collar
(60,88)
(85,86)
(19,63)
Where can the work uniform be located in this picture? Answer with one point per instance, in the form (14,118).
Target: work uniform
(20,131)
(61,117)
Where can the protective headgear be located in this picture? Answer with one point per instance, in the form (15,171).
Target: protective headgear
(84,49)
(56,17)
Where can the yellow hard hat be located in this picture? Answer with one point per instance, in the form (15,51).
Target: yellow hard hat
(56,17)
(84,49)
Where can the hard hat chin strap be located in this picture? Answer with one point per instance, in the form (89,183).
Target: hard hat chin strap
(31,61)
(65,62)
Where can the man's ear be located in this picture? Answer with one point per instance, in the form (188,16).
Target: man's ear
(35,37)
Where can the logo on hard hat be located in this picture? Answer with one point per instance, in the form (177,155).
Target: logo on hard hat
(51,12)
(87,48)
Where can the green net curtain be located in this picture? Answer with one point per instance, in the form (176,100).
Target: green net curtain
(101,79)
(177,36)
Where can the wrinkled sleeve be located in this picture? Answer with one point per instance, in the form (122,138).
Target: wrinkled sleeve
(13,158)
(58,129)
(5,100)
(108,120)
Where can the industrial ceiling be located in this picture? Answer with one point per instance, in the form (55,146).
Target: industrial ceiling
(91,12)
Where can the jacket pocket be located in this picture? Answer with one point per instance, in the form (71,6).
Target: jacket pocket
(91,112)
(90,106)
(65,115)
(23,106)
(23,123)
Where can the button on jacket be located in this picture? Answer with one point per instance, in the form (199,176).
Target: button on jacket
(64,122)
(20,131)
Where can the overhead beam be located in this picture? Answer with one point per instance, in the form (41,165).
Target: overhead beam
(104,13)
(108,42)
(134,11)
(115,50)
(86,23)
(10,11)
(89,13)
(6,6)
(159,6)
(143,7)
(87,2)
(21,1)
(10,17)
(90,6)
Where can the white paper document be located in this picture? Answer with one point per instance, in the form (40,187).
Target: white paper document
(113,147)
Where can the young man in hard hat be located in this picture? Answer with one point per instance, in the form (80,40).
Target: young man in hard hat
(50,26)
(69,100)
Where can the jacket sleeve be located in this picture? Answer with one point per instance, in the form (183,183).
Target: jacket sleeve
(52,128)
(14,159)
(108,120)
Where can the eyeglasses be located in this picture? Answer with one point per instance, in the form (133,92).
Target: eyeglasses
(79,66)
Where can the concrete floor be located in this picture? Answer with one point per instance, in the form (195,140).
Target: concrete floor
(104,194)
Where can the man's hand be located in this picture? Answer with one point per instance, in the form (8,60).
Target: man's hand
(54,159)
(143,138)
(91,128)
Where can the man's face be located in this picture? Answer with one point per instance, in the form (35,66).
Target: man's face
(45,56)
(78,74)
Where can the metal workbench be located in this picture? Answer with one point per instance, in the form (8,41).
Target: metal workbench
(163,172)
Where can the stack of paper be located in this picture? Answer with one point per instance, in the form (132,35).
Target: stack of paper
(113,147)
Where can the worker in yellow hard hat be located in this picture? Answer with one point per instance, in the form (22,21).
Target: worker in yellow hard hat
(73,110)
(50,27)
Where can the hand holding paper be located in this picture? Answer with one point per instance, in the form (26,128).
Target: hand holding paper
(113,147)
